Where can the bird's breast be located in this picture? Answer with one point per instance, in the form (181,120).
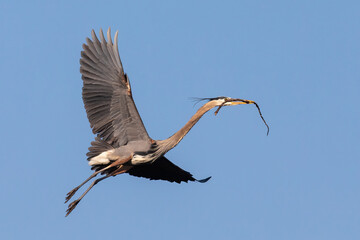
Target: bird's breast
(142,159)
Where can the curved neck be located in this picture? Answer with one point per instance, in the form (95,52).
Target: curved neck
(171,142)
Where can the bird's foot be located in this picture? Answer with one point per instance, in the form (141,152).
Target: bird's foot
(72,206)
(70,194)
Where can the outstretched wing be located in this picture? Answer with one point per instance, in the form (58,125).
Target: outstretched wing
(163,169)
(107,95)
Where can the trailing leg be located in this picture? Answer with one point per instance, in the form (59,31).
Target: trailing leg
(72,205)
(118,162)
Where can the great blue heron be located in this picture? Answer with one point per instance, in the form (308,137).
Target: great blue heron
(122,144)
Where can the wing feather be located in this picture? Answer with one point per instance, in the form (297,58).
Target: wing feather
(107,95)
(163,169)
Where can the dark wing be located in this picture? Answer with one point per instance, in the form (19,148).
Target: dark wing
(163,169)
(107,96)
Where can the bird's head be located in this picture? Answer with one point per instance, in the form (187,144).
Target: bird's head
(228,101)
(225,101)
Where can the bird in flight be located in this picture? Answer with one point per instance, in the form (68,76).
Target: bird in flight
(122,144)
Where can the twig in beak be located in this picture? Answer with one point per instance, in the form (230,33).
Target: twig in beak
(257,106)
(217,110)
(268,129)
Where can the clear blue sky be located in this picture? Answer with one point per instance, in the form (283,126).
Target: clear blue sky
(300,60)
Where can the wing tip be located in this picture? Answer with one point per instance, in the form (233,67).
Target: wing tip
(203,180)
(109,36)
(116,38)
(101,34)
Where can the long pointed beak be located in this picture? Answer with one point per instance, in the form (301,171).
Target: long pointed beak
(242,102)
(233,102)
(237,101)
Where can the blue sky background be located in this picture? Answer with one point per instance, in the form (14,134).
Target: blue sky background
(300,60)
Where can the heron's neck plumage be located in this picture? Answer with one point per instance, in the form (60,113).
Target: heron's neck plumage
(171,142)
